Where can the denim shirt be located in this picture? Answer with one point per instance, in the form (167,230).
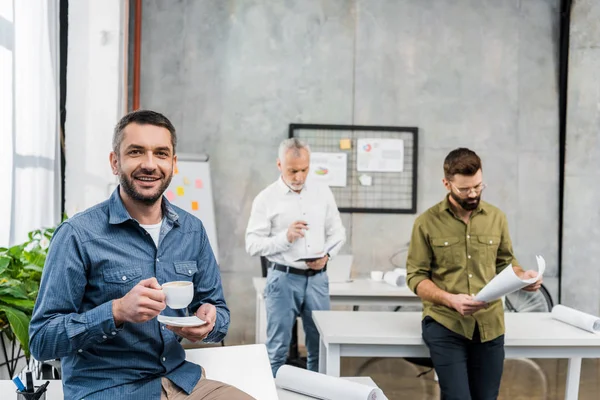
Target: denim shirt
(97,256)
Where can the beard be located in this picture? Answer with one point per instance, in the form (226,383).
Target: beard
(294,186)
(468,204)
(128,185)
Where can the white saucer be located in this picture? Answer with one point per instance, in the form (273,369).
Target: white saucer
(180,321)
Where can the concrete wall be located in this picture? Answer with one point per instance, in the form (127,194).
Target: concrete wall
(483,74)
(581,232)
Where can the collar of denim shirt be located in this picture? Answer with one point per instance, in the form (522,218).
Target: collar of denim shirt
(118,213)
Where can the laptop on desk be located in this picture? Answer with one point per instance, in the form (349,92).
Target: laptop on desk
(339,268)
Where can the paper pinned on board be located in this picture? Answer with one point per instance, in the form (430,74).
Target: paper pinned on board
(324,387)
(507,282)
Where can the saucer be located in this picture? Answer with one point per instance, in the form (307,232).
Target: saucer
(180,321)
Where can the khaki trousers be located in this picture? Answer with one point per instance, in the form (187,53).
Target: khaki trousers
(205,389)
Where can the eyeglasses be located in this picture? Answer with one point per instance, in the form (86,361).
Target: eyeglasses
(467,191)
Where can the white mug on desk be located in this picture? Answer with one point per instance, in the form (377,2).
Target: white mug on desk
(377,276)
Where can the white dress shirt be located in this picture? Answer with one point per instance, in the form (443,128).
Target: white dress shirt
(277,206)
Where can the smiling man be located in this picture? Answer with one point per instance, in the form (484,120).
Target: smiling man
(456,248)
(101,287)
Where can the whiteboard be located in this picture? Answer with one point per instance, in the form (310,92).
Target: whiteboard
(191,190)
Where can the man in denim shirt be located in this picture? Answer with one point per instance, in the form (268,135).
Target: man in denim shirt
(101,286)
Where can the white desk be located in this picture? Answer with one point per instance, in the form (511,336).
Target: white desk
(287,395)
(245,367)
(356,292)
(398,334)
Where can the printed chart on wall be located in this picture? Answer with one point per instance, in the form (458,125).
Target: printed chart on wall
(191,190)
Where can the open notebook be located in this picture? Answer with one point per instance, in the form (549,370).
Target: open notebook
(339,268)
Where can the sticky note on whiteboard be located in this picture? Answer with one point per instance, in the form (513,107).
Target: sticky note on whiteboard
(345,144)
(186,181)
(199,184)
(180,191)
(170,195)
(176,170)
(194,205)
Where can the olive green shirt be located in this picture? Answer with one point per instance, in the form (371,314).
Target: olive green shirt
(461,259)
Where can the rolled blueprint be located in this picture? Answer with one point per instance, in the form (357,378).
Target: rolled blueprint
(576,318)
(396,277)
(324,387)
(507,282)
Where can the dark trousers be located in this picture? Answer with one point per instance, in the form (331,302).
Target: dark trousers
(467,369)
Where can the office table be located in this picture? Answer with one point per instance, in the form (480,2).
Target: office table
(356,292)
(398,334)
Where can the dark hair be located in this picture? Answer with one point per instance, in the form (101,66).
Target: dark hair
(461,161)
(142,117)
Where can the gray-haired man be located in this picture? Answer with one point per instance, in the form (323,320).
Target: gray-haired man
(291,219)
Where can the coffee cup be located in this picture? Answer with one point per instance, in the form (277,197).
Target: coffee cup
(178,294)
(376,276)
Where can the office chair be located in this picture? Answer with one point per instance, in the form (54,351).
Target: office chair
(294,358)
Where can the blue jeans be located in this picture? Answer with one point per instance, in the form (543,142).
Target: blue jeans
(288,296)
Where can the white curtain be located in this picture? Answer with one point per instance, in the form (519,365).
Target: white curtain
(29,118)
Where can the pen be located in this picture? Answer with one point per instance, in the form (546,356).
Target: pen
(19,384)
(42,388)
(29,377)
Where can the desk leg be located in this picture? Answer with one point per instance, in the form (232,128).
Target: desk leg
(573,377)
(322,357)
(332,366)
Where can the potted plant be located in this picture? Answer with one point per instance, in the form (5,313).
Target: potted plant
(20,274)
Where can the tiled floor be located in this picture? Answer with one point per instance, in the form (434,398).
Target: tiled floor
(523,379)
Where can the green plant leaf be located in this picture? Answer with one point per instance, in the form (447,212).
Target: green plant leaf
(20,303)
(33,267)
(16,251)
(19,324)
(4,263)
(15,291)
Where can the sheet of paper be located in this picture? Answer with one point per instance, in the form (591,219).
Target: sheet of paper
(329,168)
(365,180)
(381,155)
(507,282)
(316,256)
(577,318)
(324,387)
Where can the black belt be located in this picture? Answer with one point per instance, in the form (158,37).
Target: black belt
(297,271)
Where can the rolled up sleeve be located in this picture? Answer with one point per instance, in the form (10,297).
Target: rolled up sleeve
(418,263)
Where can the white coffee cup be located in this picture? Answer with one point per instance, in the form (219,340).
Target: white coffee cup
(179,294)
(376,276)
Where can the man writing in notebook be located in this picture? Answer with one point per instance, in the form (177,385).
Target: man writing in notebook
(456,248)
(293,219)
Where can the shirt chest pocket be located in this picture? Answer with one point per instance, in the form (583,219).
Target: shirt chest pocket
(185,270)
(488,248)
(119,279)
(448,252)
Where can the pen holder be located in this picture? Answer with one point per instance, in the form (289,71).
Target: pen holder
(36,395)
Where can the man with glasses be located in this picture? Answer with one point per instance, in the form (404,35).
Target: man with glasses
(457,247)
